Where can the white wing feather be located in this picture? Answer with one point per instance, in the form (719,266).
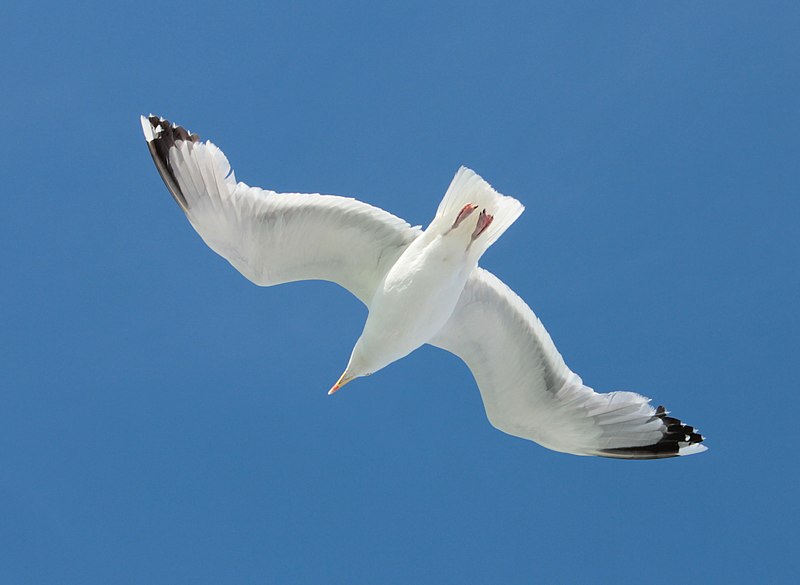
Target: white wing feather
(528,391)
(270,237)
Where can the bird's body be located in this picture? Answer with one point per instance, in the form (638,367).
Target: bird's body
(413,301)
(421,287)
(418,294)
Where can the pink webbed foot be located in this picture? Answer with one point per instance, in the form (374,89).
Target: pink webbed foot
(484,221)
(465,212)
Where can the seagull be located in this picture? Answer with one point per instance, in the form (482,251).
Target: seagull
(420,286)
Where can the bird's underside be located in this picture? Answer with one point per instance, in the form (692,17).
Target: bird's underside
(527,389)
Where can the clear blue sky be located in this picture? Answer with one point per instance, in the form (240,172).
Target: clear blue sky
(162,420)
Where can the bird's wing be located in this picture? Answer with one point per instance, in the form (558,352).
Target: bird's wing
(271,237)
(529,391)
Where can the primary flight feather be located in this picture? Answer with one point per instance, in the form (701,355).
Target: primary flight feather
(420,287)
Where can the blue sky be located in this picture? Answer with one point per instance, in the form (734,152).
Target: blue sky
(162,420)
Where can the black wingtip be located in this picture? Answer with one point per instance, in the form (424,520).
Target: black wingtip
(161,135)
(678,439)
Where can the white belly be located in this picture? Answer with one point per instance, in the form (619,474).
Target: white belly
(415,299)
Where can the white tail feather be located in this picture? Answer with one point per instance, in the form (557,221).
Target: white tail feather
(468,187)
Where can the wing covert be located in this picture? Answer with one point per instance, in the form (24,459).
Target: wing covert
(528,391)
(270,237)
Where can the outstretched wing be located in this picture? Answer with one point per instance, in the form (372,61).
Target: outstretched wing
(529,391)
(271,237)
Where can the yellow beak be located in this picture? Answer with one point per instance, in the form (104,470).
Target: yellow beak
(342,381)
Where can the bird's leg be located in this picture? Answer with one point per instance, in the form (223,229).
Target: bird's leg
(465,212)
(484,221)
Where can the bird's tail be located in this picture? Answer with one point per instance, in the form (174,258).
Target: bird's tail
(469,195)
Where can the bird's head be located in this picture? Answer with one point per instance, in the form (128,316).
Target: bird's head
(359,365)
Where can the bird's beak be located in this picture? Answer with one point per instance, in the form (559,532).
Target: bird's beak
(344,379)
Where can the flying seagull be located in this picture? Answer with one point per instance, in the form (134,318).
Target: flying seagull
(420,287)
